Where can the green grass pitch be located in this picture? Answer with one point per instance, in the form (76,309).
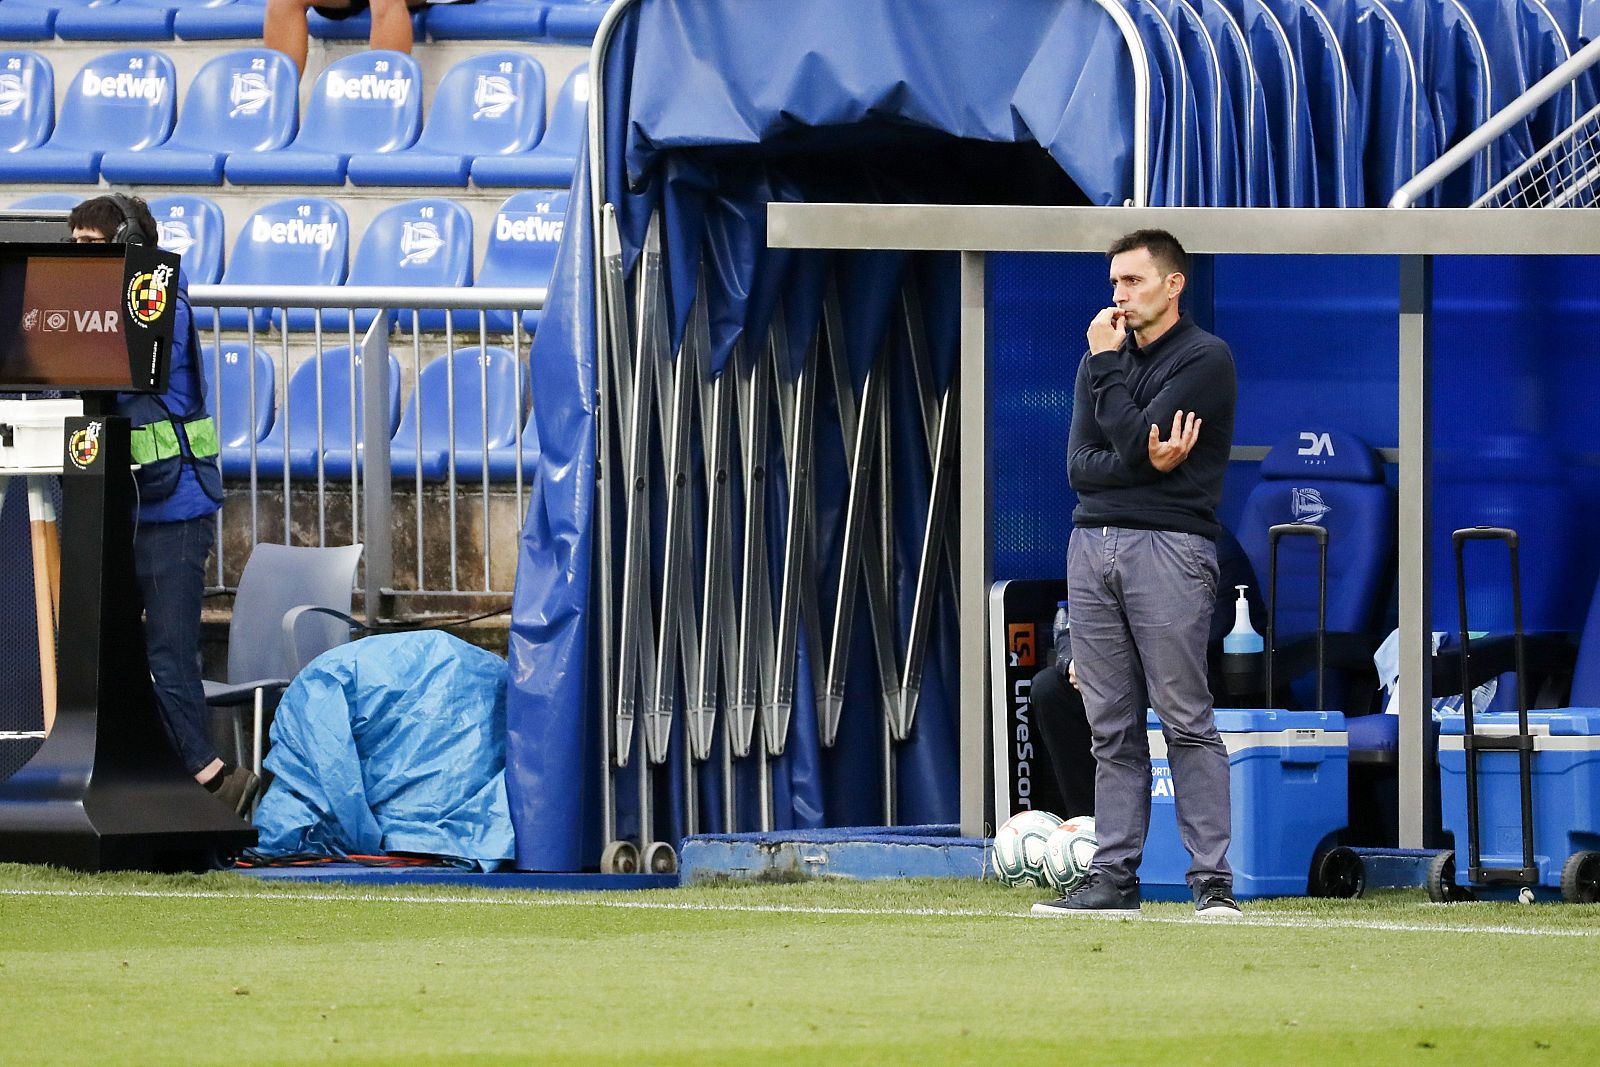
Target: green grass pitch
(140,969)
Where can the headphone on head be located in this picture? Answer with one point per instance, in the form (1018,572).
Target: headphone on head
(128,231)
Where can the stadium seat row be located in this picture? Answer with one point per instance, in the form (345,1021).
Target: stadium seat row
(307,239)
(240,119)
(483,386)
(218,20)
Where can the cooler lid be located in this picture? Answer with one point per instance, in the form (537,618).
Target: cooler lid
(1269,720)
(1557,722)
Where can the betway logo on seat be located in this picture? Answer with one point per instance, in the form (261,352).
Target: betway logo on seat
(126,86)
(293,232)
(529,228)
(368,87)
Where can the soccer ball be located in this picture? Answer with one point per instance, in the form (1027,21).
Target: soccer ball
(1068,851)
(1018,850)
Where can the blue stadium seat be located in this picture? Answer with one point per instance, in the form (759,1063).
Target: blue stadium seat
(241,20)
(192,227)
(367,102)
(574,20)
(27,100)
(228,385)
(297,420)
(50,202)
(124,20)
(419,242)
(119,100)
(551,163)
(358,27)
(1332,479)
(32,20)
(488,411)
(503,461)
(487,20)
(521,252)
(244,101)
(303,240)
(488,104)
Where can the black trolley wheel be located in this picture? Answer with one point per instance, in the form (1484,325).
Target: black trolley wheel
(1441,883)
(1338,872)
(1580,878)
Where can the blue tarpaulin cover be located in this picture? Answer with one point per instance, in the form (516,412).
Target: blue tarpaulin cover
(392,744)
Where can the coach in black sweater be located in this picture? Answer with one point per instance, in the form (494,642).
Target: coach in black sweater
(1142,571)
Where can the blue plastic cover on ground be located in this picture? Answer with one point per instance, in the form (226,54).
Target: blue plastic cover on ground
(392,744)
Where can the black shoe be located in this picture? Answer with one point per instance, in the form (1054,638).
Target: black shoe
(1097,896)
(1213,899)
(238,789)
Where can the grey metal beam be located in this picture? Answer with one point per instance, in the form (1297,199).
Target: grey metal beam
(976,555)
(1241,231)
(1413,695)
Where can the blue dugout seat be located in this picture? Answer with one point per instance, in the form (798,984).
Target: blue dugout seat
(489,104)
(27,100)
(304,240)
(122,99)
(367,102)
(521,252)
(552,162)
(419,242)
(574,20)
(487,20)
(243,101)
(50,202)
(239,421)
(295,428)
(488,415)
(124,20)
(1332,479)
(240,20)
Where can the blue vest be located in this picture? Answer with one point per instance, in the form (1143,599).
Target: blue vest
(165,441)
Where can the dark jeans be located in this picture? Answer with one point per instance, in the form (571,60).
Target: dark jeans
(169,561)
(1062,723)
(1141,604)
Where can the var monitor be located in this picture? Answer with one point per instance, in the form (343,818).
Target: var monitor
(86,318)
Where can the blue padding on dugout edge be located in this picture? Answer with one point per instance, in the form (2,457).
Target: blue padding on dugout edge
(367,102)
(395,743)
(124,99)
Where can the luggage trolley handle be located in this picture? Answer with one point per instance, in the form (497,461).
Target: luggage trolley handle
(1274,535)
(1472,744)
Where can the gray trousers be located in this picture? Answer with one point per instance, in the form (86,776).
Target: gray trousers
(1140,602)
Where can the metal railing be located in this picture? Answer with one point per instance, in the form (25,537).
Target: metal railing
(363,436)
(1561,174)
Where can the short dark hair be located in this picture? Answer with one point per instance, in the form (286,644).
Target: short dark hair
(1162,246)
(106,214)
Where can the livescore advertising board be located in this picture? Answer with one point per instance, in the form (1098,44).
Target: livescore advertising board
(86,318)
(1021,614)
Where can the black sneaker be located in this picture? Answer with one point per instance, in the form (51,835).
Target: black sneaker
(1213,899)
(238,789)
(1097,896)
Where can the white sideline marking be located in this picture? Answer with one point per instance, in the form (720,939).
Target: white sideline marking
(1292,921)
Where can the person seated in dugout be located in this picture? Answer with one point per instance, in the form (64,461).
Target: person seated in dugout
(1058,709)
(285,27)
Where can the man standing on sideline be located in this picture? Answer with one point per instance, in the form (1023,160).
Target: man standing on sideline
(1142,572)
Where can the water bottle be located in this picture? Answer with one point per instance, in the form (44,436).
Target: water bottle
(1243,651)
(1061,637)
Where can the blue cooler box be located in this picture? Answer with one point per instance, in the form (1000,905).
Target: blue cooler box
(1566,789)
(1291,794)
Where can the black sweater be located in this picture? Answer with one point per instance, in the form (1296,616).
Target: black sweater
(1117,397)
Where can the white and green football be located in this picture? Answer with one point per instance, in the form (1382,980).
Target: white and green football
(1068,851)
(1018,848)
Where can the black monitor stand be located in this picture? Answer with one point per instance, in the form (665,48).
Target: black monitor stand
(105,791)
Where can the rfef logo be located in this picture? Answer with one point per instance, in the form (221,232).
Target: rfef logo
(1022,644)
(148,294)
(83,447)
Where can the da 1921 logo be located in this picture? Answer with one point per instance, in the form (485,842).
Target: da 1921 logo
(149,293)
(83,446)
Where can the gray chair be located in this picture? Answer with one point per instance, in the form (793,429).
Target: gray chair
(292,605)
